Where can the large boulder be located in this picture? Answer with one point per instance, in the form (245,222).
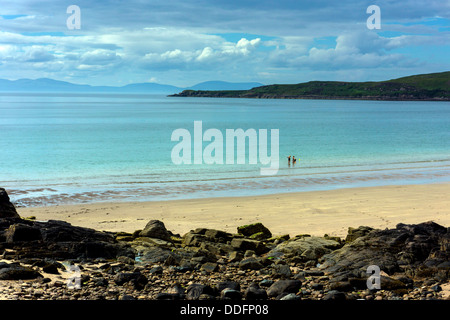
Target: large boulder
(256,231)
(22,232)
(7,209)
(307,248)
(58,240)
(242,244)
(15,271)
(355,233)
(392,250)
(155,229)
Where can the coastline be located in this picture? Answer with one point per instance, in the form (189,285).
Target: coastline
(311,212)
(367,98)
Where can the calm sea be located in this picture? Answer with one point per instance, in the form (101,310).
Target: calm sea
(77,148)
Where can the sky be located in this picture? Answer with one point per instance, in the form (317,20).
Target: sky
(185,42)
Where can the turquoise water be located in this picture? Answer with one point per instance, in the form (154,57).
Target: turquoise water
(101,147)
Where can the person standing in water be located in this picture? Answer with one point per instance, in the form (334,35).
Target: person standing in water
(294,160)
(289,160)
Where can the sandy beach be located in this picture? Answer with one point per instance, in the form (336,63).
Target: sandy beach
(315,213)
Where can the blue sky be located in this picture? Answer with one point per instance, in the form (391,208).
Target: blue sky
(186,42)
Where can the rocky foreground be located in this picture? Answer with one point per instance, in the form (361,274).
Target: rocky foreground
(53,260)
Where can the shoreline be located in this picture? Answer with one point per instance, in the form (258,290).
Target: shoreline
(368,98)
(310,212)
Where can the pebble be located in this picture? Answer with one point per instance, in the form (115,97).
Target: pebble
(167,278)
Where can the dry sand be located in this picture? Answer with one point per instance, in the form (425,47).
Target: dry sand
(315,213)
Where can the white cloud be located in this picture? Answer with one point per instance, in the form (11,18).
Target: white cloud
(206,54)
(99,57)
(201,57)
(37,54)
(351,50)
(181,39)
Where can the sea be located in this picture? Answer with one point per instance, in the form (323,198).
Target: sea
(71,148)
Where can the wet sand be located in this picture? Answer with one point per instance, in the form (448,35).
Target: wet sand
(315,212)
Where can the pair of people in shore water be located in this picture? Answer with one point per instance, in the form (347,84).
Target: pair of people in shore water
(293,160)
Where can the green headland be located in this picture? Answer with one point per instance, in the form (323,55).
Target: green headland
(432,86)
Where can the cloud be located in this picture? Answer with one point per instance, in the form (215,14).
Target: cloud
(181,40)
(351,50)
(99,57)
(206,57)
(37,54)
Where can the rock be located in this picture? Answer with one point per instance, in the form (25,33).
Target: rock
(266,283)
(290,296)
(314,273)
(337,239)
(281,270)
(257,230)
(388,283)
(124,236)
(250,263)
(235,256)
(217,235)
(58,240)
(52,267)
(335,295)
(254,292)
(22,232)
(126,297)
(258,236)
(230,294)
(284,286)
(155,229)
(136,278)
(436,288)
(388,249)
(216,248)
(440,257)
(406,280)
(99,282)
(249,253)
(357,283)
(341,286)
(308,248)
(194,291)
(210,267)
(193,239)
(17,272)
(168,296)
(176,288)
(152,242)
(126,260)
(153,255)
(246,244)
(355,233)
(174,293)
(7,209)
(228,285)
(156,270)
(317,286)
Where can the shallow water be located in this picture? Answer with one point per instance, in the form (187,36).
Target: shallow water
(103,147)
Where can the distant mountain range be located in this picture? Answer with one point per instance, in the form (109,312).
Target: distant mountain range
(432,86)
(50,85)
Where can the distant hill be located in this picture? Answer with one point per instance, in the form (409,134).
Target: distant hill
(50,85)
(433,86)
